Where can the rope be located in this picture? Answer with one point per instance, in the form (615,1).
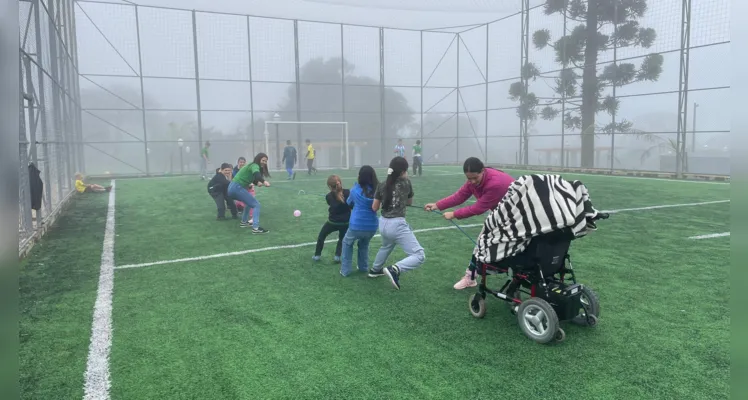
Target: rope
(302,192)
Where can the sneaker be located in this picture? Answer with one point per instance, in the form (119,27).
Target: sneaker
(374,274)
(259,230)
(108,188)
(316,258)
(336,259)
(250,221)
(245,224)
(393,272)
(465,282)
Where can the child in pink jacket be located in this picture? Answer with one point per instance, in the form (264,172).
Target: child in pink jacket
(488,185)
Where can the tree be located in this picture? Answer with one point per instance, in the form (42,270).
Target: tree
(324,102)
(582,46)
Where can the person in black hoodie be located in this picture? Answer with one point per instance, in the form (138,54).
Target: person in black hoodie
(218,190)
(339,216)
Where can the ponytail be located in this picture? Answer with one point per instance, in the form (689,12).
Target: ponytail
(398,165)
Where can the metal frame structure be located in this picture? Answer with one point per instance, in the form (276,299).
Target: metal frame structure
(50,136)
(52,129)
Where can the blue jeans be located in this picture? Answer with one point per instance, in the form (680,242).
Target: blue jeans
(396,231)
(363,237)
(237,192)
(289,169)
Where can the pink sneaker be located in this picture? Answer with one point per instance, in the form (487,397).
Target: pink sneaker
(466,281)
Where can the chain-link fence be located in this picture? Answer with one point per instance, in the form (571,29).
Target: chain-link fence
(50,144)
(524,89)
(606,84)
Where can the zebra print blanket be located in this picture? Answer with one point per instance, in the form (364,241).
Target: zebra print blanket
(534,205)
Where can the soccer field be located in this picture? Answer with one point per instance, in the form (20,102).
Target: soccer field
(203,309)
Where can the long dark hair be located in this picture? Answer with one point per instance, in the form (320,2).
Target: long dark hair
(473,164)
(336,186)
(398,165)
(367,179)
(263,168)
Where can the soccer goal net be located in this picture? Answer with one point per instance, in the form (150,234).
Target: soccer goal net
(328,141)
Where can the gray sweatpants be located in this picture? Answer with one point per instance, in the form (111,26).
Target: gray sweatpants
(396,231)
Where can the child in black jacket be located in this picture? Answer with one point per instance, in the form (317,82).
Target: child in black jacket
(339,215)
(218,190)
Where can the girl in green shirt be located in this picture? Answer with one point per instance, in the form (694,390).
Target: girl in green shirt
(253,173)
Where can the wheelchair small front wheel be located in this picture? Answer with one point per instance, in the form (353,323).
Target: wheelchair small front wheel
(538,320)
(590,304)
(477,305)
(560,335)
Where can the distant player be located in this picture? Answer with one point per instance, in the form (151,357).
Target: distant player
(399,149)
(310,154)
(417,158)
(289,158)
(204,160)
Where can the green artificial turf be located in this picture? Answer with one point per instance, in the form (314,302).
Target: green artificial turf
(274,324)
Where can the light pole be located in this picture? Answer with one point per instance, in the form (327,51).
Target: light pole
(180,143)
(693,128)
(276,118)
(187,150)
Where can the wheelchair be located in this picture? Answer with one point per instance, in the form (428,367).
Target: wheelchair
(537,290)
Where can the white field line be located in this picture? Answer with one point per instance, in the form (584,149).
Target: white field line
(298,245)
(666,206)
(288,246)
(97,379)
(710,236)
(625,177)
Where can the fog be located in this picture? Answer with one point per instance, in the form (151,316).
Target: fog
(421,73)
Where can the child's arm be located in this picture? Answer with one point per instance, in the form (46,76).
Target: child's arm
(377,200)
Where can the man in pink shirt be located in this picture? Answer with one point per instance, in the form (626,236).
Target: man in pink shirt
(488,185)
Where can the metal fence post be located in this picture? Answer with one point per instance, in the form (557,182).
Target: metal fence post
(298,85)
(685,45)
(251,89)
(421,125)
(381,98)
(197,86)
(76,88)
(457,102)
(142,94)
(563,97)
(615,83)
(488,37)
(44,111)
(342,90)
(55,70)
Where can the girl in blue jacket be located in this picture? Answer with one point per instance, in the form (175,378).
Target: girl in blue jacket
(363,223)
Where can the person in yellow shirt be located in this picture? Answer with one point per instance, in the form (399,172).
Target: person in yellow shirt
(89,188)
(310,154)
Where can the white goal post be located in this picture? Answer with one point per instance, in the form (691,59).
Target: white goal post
(344,153)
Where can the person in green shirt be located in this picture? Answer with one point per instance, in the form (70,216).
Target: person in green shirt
(417,158)
(204,160)
(253,173)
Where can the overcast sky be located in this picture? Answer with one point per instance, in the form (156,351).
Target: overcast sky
(167,51)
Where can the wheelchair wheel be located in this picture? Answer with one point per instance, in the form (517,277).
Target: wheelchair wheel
(538,320)
(560,335)
(477,305)
(592,304)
